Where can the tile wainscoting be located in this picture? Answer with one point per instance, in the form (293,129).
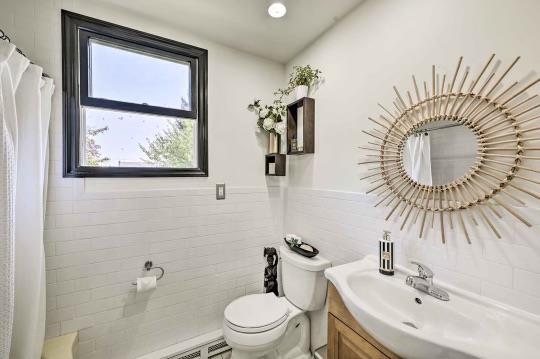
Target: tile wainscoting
(345,227)
(96,244)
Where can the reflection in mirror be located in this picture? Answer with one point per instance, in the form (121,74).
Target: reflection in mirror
(439,152)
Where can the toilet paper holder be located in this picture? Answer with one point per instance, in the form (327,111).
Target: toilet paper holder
(148,266)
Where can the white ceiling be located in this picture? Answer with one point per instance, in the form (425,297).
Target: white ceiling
(245,24)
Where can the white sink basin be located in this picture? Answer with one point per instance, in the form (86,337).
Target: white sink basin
(467,326)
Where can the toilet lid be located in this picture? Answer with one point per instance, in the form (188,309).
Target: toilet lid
(256,313)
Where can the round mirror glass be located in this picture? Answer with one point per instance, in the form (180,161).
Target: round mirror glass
(439,152)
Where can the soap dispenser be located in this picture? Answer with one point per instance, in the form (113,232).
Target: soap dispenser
(386,254)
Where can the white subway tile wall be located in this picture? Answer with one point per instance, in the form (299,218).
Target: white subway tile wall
(345,227)
(211,251)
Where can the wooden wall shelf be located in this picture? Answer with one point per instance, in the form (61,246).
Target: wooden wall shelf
(277,162)
(301,113)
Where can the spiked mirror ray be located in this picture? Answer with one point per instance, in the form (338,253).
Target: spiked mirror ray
(502,118)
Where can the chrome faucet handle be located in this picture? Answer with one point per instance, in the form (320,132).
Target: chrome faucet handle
(423,270)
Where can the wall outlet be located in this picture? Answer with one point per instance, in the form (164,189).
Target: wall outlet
(220,191)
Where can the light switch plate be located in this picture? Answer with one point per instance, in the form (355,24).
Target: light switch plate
(220,191)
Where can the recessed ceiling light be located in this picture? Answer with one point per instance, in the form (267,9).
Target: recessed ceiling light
(277,9)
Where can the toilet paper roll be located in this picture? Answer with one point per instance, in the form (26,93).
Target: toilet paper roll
(145,284)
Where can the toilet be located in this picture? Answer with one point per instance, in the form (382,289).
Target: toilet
(270,327)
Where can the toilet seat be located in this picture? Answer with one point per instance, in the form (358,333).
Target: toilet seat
(256,313)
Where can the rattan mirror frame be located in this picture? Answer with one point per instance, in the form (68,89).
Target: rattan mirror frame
(493,185)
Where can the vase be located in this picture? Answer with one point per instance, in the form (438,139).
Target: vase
(274,143)
(301,91)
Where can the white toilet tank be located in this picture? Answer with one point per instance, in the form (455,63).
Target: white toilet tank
(304,283)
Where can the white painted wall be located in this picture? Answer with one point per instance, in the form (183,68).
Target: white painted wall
(99,232)
(379,45)
(235,78)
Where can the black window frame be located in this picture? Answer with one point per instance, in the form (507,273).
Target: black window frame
(77,32)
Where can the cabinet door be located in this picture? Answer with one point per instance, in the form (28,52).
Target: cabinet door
(344,343)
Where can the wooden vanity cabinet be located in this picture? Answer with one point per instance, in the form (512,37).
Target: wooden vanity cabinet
(346,338)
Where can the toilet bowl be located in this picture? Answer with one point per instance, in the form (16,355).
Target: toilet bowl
(254,326)
(265,326)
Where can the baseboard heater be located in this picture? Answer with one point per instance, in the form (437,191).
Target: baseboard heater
(206,351)
(206,346)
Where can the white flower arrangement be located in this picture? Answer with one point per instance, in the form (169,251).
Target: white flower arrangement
(271,118)
(268,124)
(280,127)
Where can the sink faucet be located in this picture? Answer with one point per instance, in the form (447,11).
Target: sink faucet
(424,282)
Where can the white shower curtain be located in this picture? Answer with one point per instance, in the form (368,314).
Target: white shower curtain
(419,159)
(12,65)
(23,180)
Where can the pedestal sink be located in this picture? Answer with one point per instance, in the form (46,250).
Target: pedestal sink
(415,325)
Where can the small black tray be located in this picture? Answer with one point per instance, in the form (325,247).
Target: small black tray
(301,251)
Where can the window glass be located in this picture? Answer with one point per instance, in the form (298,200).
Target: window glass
(128,139)
(121,74)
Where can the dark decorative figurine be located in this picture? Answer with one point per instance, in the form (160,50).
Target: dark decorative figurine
(270,272)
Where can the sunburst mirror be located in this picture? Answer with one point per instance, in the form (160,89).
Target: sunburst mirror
(455,152)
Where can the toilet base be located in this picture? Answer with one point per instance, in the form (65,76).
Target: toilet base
(294,344)
(249,355)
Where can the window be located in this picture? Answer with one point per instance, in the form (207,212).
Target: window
(135,105)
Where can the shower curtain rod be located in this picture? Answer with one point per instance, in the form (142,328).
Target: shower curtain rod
(3,36)
(436,128)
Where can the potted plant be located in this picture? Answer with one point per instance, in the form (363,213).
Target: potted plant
(272,119)
(302,78)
